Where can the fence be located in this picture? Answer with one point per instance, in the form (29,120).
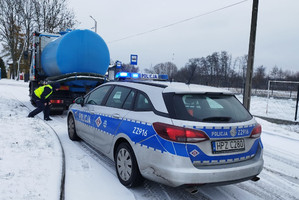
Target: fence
(274,104)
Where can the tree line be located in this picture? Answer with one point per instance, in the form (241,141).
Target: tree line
(20,18)
(220,70)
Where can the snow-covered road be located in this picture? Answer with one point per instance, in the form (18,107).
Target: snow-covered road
(31,162)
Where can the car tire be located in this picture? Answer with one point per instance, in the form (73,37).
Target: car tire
(126,166)
(71,128)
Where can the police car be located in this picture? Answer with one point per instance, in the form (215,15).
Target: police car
(168,132)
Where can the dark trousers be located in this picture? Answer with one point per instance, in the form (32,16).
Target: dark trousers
(40,107)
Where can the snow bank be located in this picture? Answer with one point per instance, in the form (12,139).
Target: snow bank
(30,154)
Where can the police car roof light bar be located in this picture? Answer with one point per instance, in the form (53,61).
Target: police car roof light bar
(131,75)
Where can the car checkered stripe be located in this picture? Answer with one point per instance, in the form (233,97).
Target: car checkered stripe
(151,140)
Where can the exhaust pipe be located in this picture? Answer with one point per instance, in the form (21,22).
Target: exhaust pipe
(255,179)
(192,190)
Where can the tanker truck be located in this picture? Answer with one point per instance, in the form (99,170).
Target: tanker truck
(77,59)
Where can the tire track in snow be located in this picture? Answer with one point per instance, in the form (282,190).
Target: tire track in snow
(271,186)
(62,182)
(282,160)
(149,190)
(294,180)
(281,136)
(218,192)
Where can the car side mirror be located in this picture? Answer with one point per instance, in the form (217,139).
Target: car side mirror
(80,100)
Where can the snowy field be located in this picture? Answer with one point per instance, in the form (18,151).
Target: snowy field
(283,109)
(281,104)
(32,168)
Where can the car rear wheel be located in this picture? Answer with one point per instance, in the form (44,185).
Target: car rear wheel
(72,129)
(126,166)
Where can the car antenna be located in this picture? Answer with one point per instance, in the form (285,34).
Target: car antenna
(192,74)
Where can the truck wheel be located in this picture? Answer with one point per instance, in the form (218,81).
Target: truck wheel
(72,129)
(56,112)
(126,166)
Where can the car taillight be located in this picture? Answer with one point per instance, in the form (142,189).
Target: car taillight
(179,134)
(56,101)
(256,132)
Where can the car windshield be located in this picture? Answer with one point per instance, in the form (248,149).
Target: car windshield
(213,108)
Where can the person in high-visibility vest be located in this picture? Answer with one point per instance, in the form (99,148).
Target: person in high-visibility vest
(41,97)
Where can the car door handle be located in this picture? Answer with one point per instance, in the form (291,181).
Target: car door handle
(116,116)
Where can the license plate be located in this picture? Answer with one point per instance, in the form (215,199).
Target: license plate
(224,146)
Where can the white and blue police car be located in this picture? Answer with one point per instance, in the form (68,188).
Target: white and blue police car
(169,132)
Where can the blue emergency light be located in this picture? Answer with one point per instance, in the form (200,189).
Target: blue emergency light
(163,76)
(122,75)
(135,75)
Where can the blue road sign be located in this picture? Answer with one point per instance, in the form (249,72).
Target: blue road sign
(118,64)
(134,59)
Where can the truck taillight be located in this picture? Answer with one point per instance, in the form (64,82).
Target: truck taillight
(256,132)
(179,134)
(63,87)
(56,101)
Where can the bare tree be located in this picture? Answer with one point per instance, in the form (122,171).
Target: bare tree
(52,15)
(19,18)
(225,63)
(129,68)
(259,77)
(27,14)
(168,68)
(190,73)
(10,31)
(274,72)
(171,70)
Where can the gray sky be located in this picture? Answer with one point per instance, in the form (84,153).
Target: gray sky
(277,41)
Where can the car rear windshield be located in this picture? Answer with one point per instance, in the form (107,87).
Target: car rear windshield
(210,108)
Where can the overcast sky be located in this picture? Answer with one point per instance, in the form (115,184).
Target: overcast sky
(277,40)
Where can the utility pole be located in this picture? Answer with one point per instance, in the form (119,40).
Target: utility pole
(248,83)
(95,24)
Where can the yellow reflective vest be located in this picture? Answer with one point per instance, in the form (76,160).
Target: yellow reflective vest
(38,92)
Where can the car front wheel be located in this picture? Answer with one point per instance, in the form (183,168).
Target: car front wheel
(126,166)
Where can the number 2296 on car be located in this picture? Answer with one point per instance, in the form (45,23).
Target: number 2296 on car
(171,133)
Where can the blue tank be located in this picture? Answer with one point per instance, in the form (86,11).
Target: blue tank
(76,51)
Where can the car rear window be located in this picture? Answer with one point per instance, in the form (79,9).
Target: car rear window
(210,108)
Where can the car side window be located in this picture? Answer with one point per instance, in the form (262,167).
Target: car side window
(118,97)
(129,101)
(96,97)
(142,103)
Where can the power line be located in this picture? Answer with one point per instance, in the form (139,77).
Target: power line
(178,22)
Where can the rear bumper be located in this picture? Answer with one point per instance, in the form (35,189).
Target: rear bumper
(177,171)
